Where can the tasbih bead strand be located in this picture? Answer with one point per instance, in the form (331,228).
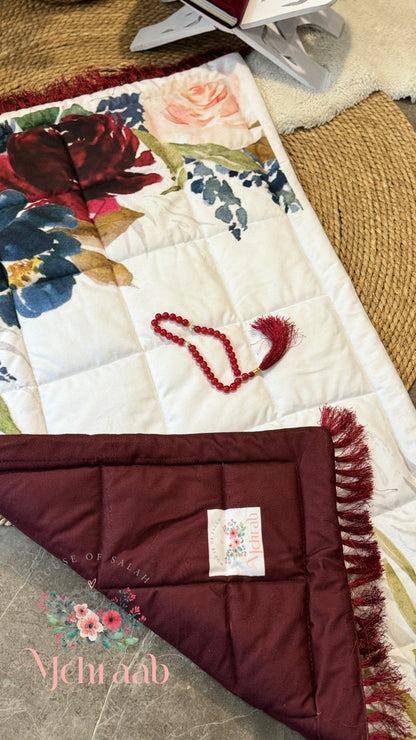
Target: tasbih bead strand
(279,331)
(199,359)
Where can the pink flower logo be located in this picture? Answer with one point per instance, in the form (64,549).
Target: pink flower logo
(81,611)
(90,626)
(111,619)
(235,544)
(75,624)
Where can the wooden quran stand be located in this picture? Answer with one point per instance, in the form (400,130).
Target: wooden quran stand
(276,36)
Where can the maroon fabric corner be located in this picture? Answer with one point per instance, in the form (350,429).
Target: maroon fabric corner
(284,641)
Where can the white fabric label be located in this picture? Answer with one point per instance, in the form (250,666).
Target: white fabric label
(235,542)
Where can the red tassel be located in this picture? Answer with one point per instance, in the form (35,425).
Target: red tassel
(282,334)
(388,723)
(371,596)
(362,529)
(385,677)
(354,483)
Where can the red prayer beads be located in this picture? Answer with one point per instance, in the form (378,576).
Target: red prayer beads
(239,377)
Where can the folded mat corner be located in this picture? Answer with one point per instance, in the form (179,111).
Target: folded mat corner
(263,573)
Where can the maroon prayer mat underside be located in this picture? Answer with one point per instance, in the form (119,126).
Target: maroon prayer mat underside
(292,642)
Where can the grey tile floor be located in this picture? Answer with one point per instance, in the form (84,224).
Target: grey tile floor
(33,706)
(409,110)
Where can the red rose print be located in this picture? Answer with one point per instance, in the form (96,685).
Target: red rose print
(83,158)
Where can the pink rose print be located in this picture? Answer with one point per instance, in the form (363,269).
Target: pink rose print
(90,626)
(201,104)
(205,111)
(236,542)
(111,619)
(233,533)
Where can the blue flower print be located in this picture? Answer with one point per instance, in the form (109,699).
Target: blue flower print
(35,274)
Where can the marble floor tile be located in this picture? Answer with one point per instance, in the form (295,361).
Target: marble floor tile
(36,705)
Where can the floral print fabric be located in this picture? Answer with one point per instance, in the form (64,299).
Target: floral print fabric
(74,168)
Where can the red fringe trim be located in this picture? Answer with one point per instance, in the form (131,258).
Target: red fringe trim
(92,80)
(381,680)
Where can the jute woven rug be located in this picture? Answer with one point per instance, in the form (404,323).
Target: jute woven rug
(41,41)
(358,171)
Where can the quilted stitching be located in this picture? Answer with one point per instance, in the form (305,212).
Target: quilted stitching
(138,383)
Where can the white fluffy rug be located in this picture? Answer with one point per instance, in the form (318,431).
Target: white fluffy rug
(376,51)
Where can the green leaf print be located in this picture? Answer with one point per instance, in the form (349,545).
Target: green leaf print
(131,640)
(395,554)
(51,619)
(168,152)
(233,159)
(7,425)
(182,177)
(75,110)
(401,596)
(38,118)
